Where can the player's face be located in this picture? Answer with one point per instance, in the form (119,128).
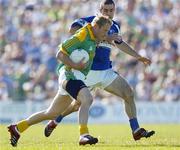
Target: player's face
(108,10)
(103,31)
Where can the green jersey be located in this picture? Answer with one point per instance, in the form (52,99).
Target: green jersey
(83,39)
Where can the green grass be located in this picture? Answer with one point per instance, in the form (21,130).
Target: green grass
(111,137)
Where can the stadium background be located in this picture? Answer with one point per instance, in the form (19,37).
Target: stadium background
(30,32)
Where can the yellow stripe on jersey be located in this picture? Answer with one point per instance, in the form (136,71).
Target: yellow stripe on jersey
(81,35)
(70,43)
(63,50)
(89,27)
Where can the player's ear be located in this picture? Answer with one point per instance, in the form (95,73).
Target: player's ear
(97,26)
(100,10)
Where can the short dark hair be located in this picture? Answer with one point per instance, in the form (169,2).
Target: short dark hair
(107,2)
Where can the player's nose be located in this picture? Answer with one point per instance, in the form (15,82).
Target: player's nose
(109,13)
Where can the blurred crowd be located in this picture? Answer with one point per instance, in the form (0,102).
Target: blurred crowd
(30,32)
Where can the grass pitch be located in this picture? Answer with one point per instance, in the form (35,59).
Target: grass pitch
(111,137)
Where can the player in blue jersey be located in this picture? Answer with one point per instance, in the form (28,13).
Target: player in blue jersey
(103,76)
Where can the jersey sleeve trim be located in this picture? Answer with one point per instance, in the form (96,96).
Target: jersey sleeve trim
(63,50)
(117,27)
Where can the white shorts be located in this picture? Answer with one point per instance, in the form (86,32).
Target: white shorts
(94,79)
(100,78)
(62,78)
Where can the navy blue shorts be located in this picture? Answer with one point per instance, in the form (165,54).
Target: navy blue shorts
(74,86)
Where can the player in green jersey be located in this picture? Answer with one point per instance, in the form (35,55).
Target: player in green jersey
(71,85)
(103,76)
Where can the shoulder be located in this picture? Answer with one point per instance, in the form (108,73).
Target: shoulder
(81,34)
(82,21)
(116,25)
(88,19)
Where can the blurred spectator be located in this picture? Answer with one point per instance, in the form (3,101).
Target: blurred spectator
(6,87)
(30,34)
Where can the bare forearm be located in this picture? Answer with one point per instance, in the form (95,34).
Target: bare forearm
(127,49)
(64,59)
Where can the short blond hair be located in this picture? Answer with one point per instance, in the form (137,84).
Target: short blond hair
(101,20)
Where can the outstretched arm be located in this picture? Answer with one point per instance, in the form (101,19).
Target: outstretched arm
(129,50)
(117,41)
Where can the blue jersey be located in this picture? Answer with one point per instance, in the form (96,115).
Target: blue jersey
(101,60)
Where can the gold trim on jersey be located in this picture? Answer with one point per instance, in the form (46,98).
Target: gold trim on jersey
(63,50)
(71,42)
(81,35)
(89,27)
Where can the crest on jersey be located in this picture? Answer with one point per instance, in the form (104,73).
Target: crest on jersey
(91,48)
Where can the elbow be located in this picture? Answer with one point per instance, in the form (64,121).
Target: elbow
(119,42)
(59,55)
(71,31)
